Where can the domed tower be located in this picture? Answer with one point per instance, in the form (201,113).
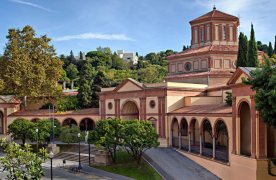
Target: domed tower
(213,53)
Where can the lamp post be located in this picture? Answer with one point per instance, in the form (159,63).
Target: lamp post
(36,130)
(51,155)
(79,153)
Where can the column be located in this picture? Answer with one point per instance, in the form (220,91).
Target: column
(72,84)
(189,141)
(214,147)
(64,85)
(200,144)
(5,119)
(234,125)
(179,140)
(253,127)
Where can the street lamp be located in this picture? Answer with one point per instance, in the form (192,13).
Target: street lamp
(79,153)
(36,130)
(51,155)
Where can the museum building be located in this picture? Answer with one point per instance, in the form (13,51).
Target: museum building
(188,110)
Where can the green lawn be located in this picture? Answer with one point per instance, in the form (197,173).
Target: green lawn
(127,166)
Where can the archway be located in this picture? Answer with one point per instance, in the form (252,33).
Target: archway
(184,134)
(69,122)
(1,123)
(271,142)
(222,143)
(245,129)
(130,111)
(207,138)
(153,122)
(175,133)
(87,124)
(194,130)
(35,119)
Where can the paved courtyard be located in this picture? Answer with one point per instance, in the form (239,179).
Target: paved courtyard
(174,166)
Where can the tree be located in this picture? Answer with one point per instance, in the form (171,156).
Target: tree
(152,74)
(69,135)
(263,81)
(270,50)
(275,46)
(20,128)
(72,58)
(100,81)
(252,52)
(228,99)
(30,65)
(84,96)
(108,134)
(242,52)
(138,136)
(1,85)
(81,55)
(21,162)
(72,72)
(118,63)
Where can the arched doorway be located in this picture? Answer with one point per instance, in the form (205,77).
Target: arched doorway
(130,111)
(87,124)
(35,119)
(184,134)
(222,143)
(1,123)
(175,133)
(207,138)
(245,129)
(271,142)
(153,122)
(194,130)
(69,122)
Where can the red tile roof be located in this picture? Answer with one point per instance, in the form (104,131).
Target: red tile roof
(209,49)
(215,15)
(204,109)
(45,112)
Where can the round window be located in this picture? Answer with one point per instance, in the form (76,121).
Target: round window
(188,66)
(110,105)
(152,104)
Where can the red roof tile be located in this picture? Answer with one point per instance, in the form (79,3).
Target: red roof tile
(204,49)
(205,109)
(215,15)
(45,112)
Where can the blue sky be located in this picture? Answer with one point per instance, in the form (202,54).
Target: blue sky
(132,25)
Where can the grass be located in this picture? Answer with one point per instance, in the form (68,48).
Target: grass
(126,166)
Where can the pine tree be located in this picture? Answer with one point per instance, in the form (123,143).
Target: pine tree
(84,96)
(270,50)
(242,52)
(252,52)
(81,55)
(275,46)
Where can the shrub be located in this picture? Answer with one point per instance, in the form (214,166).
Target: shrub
(67,103)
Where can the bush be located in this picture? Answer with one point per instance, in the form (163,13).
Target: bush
(46,105)
(67,103)
(70,135)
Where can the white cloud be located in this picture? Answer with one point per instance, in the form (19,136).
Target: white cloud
(32,5)
(85,36)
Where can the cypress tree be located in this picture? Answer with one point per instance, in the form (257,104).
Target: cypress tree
(242,52)
(270,50)
(275,46)
(252,52)
(84,96)
(81,55)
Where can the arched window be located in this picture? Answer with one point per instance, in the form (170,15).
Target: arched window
(1,123)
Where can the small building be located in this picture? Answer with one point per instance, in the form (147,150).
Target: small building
(128,56)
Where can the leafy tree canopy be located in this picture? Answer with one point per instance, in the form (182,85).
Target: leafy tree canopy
(30,66)
(21,129)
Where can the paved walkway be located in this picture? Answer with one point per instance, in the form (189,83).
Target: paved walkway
(174,166)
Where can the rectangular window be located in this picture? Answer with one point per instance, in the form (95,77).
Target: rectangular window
(195,35)
(173,68)
(202,34)
(179,67)
(208,33)
(224,33)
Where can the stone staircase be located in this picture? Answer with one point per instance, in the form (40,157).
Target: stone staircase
(72,154)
